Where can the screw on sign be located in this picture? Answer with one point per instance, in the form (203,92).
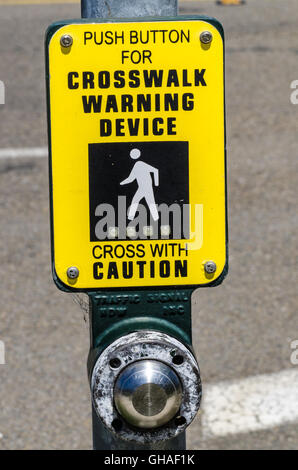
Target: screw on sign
(206,37)
(66,40)
(73,272)
(210,267)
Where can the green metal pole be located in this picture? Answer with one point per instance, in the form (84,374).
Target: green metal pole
(112,315)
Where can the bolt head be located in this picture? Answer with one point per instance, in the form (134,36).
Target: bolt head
(206,37)
(66,40)
(73,272)
(210,267)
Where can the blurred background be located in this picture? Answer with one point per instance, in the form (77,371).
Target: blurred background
(245,331)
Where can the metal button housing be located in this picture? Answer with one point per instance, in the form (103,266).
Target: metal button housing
(146,387)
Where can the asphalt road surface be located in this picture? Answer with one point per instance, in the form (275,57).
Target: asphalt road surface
(241,329)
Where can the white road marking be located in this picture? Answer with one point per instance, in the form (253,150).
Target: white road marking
(251,404)
(35,152)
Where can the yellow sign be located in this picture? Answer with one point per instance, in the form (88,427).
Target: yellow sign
(230,2)
(137,153)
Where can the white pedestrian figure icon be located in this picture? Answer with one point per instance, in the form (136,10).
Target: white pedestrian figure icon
(142,173)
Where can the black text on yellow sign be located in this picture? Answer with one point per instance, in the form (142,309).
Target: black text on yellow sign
(137,140)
